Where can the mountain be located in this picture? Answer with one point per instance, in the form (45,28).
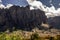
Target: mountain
(26,19)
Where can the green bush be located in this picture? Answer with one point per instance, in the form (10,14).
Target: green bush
(58,37)
(10,37)
(51,38)
(35,36)
(20,36)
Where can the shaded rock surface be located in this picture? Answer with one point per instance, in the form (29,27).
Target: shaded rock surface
(54,22)
(21,18)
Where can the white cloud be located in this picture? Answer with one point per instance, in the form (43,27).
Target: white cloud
(50,1)
(37,4)
(0,1)
(2,6)
(49,11)
(9,5)
(59,4)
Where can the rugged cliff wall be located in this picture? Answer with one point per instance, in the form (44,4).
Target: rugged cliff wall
(54,22)
(21,17)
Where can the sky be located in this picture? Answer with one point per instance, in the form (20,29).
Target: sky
(55,3)
(0,0)
(15,2)
(50,7)
(49,3)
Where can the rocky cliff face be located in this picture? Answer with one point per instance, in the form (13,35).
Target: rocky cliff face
(21,18)
(54,22)
(3,19)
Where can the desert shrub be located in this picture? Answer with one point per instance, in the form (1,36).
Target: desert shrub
(20,36)
(35,36)
(2,36)
(58,37)
(51,38)
(12,36)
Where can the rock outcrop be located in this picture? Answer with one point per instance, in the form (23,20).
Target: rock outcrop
(22,17)
(54,22)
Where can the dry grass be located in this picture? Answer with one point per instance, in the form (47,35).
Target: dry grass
(23,35)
